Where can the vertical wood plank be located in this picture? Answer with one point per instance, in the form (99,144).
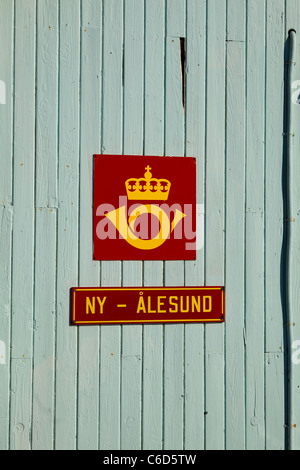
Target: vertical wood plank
(6,210)
(274,383)
(67,232)
(45,197)
(235,229)
(112,132)
(214,218)
(236,11)
(90,125)
(47,103)
(6,109)
(194,270)
(133,72)
(23,226)
(6,215)
(254,247)
(153,270)
(44,330)
(274,213)
(20,423)
(174,270)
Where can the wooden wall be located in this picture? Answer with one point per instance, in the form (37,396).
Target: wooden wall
(106,76)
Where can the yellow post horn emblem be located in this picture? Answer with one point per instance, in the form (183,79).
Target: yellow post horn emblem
(146,189)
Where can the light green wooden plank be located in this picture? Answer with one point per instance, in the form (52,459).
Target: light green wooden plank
(6,215)
(131,392)
(47,103)
(194,270)
(6,211)
(236,14)
(23,226)
(133,77)
(90,115)
(235,221)
(112,130)
(214,217)
(174,270)
(67,232)
(131,388)
(255,106)
(152,385)
(6,110)
(23,233)
(110,388)
(274,203)
(112,124)
(153,270)
(274,386)
(154,77)
(254,332)
(255,183)
(274,210)
(44,330)
(195,113)
(20,431)
(176,18)
(214,365)
(174,125)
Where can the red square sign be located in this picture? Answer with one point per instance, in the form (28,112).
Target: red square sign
(144,208)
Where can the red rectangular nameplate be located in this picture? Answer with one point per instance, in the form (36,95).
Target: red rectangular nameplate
(112,305)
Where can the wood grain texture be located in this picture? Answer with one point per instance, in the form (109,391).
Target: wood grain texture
(67,230)
(47,103)
(111,272)
(254,228)
(6,212)
(153,342)
(6,216)
(215,218)
(23,225)
(132,273)
(174,270)
(7,14)
(44,330)
(110,76)
(274,337)
(89,270)
(194,270)
(235,239)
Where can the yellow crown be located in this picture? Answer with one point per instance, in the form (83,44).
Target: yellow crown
(147,188)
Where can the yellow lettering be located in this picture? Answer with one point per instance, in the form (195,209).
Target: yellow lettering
(196,302)
(90,305)
(175,305)
(160,303)
(101,303)
(149,306)
(141,305)
(187,304)
(205,307)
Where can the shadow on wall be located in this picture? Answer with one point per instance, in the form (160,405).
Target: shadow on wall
(289,95)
